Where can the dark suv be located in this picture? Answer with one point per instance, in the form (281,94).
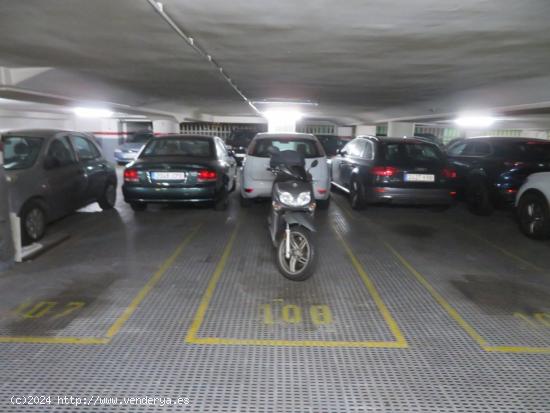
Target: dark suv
(393,170)
(490,170)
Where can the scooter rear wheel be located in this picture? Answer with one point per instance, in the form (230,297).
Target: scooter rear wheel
(300,265)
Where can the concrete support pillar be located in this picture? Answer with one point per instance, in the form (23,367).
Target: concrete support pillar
(6,242)
(400,129)
(365,130)
(162,126)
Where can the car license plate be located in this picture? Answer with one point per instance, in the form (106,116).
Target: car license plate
(419,178)
(168,176)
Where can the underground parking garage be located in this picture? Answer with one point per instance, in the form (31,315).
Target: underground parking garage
(274,206)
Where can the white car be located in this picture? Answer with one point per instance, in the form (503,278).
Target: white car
(257,181)
(533,205)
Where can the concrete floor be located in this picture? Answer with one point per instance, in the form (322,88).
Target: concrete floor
(410,310)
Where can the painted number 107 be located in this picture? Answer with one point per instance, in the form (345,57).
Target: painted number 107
(294,314)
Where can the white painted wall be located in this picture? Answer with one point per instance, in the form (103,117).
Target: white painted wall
(344,131)
(165,126)
(28,120)
(399,129)
(365,130)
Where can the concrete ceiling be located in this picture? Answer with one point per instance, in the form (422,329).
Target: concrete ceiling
(362,61)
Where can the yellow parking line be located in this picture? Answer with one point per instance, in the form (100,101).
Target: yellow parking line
(191,336)
(119,323)
(54,340)
(501,249)
(390,321)
(205,301)
(115,328)
(296,343)
(469,329)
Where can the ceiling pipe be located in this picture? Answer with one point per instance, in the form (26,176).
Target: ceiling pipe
(192,42)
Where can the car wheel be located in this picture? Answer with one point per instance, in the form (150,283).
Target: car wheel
(245,202)
(534,217)
(222,202)
(479,199)
(138,206)
(357,195)
(323,203)
(33,222)
(108,198)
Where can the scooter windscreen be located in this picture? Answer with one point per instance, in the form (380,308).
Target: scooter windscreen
(292,161)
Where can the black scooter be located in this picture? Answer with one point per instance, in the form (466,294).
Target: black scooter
(291,217)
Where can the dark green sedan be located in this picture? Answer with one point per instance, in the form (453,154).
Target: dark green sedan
(180,168)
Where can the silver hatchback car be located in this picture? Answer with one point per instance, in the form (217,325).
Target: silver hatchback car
(52,173)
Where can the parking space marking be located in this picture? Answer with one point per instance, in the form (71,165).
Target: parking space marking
(468,328)
(121,320)
(198,319)
(499,248)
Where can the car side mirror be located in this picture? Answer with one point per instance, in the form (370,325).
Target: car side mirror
(231,152)
(51,163)
(341,152)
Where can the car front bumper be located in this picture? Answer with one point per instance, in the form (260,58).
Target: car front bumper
(150,194)
(409,196)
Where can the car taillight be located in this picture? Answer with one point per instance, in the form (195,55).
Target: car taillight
(449,173)
(248,190)
(384,170)
(131,175)
(207,175)
(322,191)
(514,164)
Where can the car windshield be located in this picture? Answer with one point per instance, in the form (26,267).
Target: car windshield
(194,147)
(307,147)
(525,151)
(20,152)
(140,137)
(406,153)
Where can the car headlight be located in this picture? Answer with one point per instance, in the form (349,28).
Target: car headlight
(301,200)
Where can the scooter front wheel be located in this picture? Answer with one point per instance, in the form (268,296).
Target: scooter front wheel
(300,263)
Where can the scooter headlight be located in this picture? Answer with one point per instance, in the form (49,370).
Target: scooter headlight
(301,200)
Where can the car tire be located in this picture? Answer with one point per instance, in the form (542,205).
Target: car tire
(323,203)
(108,198)
(222,202)
(245,202)
(534,216)
(33,222)
(138,206)
(357,195)
(478,198)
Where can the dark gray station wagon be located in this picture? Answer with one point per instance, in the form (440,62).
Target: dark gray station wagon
(51,173)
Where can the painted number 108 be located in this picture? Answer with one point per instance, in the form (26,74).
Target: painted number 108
(294,314)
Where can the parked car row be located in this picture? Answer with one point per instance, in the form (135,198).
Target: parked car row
(51,173)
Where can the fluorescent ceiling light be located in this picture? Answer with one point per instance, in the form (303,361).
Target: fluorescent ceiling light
(474,121)
(92,112)
(276,115)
